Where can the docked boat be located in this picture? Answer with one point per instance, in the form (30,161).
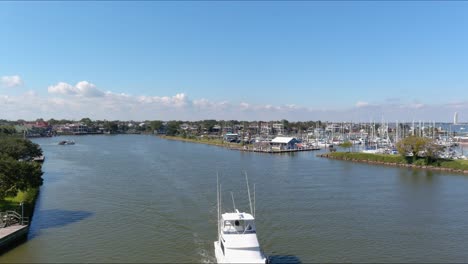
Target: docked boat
(67,142)
(39,158)
(463,140)
(237,236)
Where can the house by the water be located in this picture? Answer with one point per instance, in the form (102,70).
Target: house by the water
(284,143)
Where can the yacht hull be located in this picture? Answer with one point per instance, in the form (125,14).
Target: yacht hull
(220,258)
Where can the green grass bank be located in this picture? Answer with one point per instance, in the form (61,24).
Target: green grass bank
(13,203)
(459,166)
(208,141)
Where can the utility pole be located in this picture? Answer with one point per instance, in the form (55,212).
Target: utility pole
(22,212)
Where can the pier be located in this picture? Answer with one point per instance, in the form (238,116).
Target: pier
(13,229)
(12,234)
(273,151)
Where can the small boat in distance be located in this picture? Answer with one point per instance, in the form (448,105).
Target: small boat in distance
(39,158)
(237,236)
(67,142)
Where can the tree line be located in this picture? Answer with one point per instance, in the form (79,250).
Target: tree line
(18,171)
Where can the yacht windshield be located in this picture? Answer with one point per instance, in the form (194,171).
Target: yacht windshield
(238,227)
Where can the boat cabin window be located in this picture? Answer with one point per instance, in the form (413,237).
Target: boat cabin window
(238,226)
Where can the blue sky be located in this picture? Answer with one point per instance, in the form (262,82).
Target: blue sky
(253,60)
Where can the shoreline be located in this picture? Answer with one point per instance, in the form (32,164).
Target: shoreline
(217,143)
(17,234)
(235,146)
(393,164)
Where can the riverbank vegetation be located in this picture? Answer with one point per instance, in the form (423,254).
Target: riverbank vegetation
(202,140)
(20,176)
(413,151)
(419,147)
(399,160)
(13,202)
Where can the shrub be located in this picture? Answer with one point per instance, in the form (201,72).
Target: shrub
(369,156)
(420,162)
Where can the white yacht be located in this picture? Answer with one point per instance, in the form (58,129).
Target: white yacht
(237,236)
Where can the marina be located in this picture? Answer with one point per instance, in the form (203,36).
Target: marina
(374,138)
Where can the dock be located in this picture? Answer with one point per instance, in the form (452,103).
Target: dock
(13,229)
(259,149)
(12,234)
(273,151)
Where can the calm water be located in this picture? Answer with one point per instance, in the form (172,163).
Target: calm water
(131,198)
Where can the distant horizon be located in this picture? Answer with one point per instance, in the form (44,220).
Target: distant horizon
(357,61)
(416,122)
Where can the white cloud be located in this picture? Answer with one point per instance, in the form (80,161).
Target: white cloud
(62,88)
(5,99)
(178,100)
(87,89)
(11,81)
(84,99)
(30,93)
(362,104)
(457,104)
(416,105)
(202,103)
(244,106)
(83,88)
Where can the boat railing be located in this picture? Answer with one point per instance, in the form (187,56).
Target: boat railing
(9,218)
(235,232)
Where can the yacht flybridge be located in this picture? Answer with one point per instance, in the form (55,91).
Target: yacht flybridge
(237,237)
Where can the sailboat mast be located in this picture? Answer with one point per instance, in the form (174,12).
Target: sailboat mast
(217,199)
(248,192)
(233,203)
(254,202)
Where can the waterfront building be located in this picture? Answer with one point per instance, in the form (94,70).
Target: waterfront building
(231,137)
(216,129)
(35,129)
(184,126)
(265,129)
(78,128)
(227,129)
(333,128)
(283,143)
(253,128)
(278,128)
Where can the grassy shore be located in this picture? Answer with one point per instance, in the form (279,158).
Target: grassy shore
(398,160)
(208,141)
(13,203)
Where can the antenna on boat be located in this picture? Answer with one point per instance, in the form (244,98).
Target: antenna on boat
(233,203)
(218,198)
(254,202)
(248,192)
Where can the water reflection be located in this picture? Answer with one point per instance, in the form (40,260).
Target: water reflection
(417,176)
(55,218)
(153,200)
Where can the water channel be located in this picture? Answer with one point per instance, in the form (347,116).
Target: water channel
(137,198)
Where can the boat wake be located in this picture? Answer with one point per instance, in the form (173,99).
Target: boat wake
(203,250)
(206,257)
